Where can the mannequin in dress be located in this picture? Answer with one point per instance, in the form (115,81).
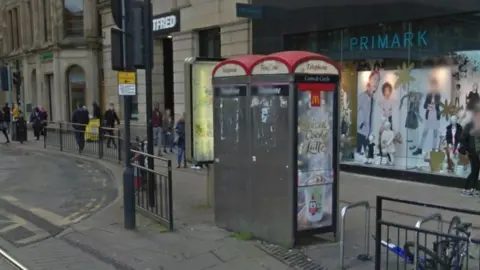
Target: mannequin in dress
(370,149)
(387,144)
(452,135)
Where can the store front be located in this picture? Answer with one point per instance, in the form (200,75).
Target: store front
(407,88)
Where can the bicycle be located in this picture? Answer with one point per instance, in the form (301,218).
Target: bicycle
(452,253)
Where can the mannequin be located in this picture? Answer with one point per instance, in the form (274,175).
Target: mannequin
(387,144)
(380,131)
(370,149)
(452,134)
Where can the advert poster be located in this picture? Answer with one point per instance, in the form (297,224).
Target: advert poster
(202,110)
(315,160)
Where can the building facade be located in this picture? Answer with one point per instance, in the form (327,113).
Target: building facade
(410,75)
(182,29)
(54,44)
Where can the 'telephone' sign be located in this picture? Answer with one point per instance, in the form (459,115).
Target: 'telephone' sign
(166,23)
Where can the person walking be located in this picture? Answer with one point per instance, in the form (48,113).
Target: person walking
(110,118)
(470,146)
(6,111)
(3,126)
(181,155)
(80,120)
(167,123)
(157,127)
(44,117)
(36,120)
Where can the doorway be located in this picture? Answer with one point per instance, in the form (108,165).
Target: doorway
(168,74)
(49,85)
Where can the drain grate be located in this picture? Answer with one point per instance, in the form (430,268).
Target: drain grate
(290,257)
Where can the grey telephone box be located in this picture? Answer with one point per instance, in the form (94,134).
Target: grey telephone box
(230,80)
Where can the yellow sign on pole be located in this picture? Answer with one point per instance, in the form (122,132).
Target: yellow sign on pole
(126,77)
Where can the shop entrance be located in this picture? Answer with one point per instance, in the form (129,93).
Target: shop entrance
(168,73)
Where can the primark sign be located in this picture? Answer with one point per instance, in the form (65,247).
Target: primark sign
(166,23)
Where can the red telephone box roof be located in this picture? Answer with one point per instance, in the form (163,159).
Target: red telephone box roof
(292,59)
(237,66)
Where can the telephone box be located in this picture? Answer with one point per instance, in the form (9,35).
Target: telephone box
(294,145)
(230,80)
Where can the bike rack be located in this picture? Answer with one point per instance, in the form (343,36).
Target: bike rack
(432,217)
(363,257)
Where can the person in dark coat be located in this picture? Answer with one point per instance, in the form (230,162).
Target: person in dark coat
(110,118)
(80,120)
(180,129)
(3,126)
(37,122)
(6,112)
(470,145)
(97,112)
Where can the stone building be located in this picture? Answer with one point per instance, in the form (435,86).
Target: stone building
(182,28)
(62,49)
(55,45)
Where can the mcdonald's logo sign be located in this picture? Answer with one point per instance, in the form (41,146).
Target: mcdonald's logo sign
(315,99)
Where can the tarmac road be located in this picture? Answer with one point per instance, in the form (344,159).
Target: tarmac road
(42,194)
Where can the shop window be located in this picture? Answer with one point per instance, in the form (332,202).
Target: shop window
(73,17)
(209,43)
(407,90)
(76,88)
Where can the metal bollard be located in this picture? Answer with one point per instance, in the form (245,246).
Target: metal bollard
(363,257)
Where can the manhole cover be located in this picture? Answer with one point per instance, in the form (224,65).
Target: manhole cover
(290,257)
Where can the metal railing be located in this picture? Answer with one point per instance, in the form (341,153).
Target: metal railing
(153,195)
(365,256)
(432,217)
(410,245)
(101,142)
(7,257)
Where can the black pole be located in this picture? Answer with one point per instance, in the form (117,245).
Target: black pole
(149,97)
(128,182)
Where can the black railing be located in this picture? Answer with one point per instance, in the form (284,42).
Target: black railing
(153,188)
(101,142)
(153,195)
(400,246)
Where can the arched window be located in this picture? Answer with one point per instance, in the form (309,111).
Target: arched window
(73,17)
(76,87)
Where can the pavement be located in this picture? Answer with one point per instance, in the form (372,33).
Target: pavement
(100,242)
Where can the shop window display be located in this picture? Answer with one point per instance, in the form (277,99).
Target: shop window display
(407,91)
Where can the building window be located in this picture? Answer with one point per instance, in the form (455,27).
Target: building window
(209,43)
(12,30)
(407,91)
(75,88)
(30,16)
(73,18)
(47,28)
(16,29)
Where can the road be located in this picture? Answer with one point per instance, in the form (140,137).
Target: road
(42,194)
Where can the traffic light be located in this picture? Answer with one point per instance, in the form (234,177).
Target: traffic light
(16,78)
(4,78)
(141,28)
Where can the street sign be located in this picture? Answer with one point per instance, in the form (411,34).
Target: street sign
(127,84)
(126,77)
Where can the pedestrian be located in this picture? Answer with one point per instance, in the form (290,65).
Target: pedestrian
(470,145)
(3,126)
(110,118)
(97,113)
(157,127)
(167,123)
(80,120)
(44,117)
(36,120)
(6,111)
(180,129)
